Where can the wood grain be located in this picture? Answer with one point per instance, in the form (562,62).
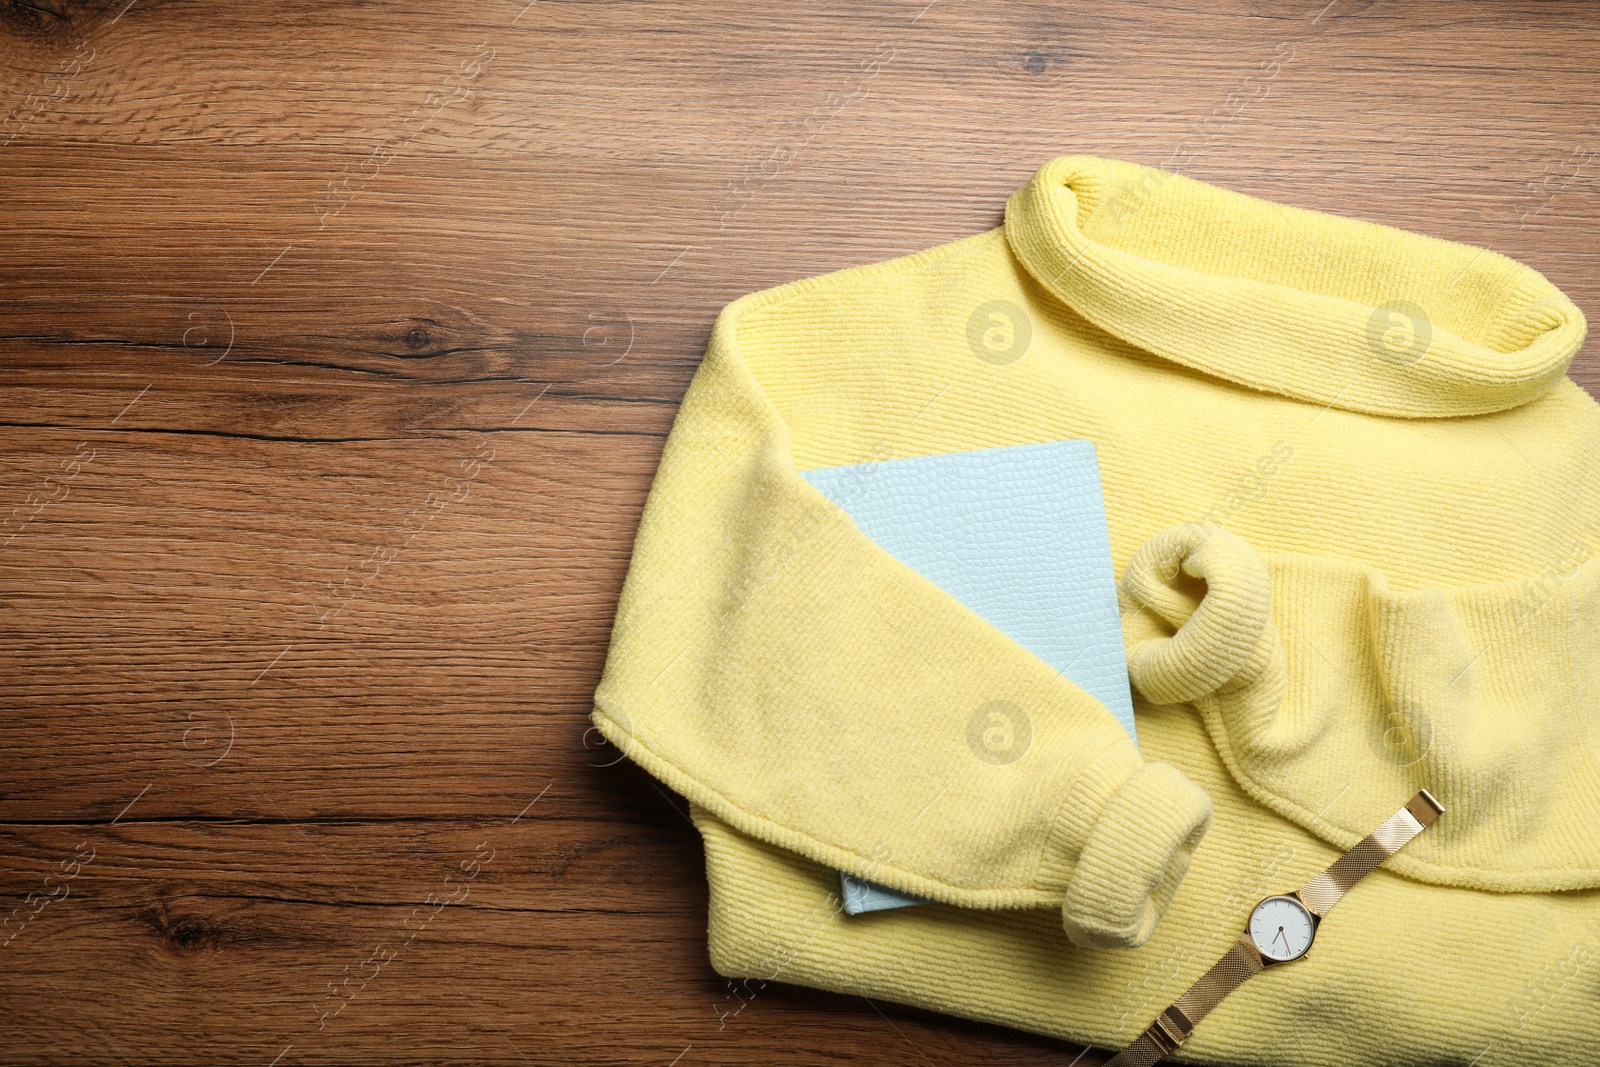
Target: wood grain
(337,347)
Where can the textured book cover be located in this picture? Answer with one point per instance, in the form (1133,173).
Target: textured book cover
(1017,534)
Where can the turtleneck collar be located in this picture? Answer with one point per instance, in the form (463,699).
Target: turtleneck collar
(1325,309)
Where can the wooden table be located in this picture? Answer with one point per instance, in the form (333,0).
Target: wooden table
(339,344)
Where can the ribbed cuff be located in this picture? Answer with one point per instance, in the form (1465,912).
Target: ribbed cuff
(1134,856)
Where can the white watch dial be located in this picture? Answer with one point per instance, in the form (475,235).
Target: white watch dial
(1282,928)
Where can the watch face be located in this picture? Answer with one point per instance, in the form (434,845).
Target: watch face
(1282,928)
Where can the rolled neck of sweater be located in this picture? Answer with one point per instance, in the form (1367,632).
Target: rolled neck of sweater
(1329,310)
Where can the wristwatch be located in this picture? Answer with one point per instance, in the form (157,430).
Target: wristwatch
(1280,930)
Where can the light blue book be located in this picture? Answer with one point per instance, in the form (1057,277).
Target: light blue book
(1017,534)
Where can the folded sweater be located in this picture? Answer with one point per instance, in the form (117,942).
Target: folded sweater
(1354,504)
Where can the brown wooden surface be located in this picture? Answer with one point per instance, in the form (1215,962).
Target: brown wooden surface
(337,346)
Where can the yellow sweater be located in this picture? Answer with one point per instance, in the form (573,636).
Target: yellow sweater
(1354,505)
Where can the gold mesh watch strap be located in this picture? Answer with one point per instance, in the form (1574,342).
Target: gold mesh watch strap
(1173,1026)
(1324,891)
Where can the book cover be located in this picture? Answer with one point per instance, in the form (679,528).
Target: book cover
(1018,534)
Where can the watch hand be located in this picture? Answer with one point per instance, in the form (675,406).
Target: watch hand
(1280,937)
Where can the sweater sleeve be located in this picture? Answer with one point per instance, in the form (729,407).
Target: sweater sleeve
(770,662)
